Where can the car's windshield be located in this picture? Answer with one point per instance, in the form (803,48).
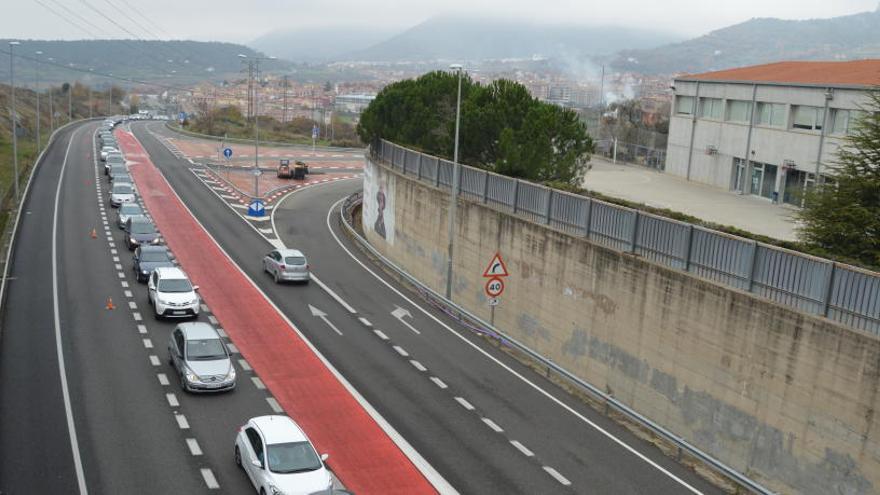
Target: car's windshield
(175,285)
(142,228)
(205,349)
(122,188)
(295,260)
(130,209)
(293,457)
(154,256)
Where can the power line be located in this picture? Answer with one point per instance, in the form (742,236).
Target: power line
(61,16)
(136,23)
(149,21)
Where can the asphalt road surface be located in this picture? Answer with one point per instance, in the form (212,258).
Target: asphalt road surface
(486,423)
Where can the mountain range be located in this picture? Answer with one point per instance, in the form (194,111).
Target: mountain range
(759,41)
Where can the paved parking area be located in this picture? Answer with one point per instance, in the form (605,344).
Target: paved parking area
(660,190)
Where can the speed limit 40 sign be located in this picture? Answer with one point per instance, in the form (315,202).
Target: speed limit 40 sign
(494,287)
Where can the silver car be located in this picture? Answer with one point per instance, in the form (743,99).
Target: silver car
(200,358)
(287,264)
(127,211)
(121,193)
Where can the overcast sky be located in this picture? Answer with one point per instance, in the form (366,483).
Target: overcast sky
(245,20)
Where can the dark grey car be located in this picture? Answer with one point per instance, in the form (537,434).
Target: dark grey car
(148,258)
(139,230)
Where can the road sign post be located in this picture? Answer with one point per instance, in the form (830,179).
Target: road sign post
(495,273)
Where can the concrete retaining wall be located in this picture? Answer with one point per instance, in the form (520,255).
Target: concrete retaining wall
(787,398)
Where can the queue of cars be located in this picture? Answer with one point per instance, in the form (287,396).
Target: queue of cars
(274,452)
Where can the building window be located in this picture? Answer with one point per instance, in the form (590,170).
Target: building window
(810,118)
(738,111)
(712,108)
(843,122)
(771,114)
(684,105)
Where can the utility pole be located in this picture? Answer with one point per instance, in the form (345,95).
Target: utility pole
(456,173)
(12,45)
(254,68)
(51,109)
(69,101)
(90,102)
(37,91)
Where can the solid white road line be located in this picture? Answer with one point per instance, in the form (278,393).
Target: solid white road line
(439,382)
(380,334)
(335,296)
(522,448)
(558,477)
(510,370)
(193,445)
(465,404)
(59,351)
(417,365)
(258,383)
(276,407)
(163,379)
(493,425)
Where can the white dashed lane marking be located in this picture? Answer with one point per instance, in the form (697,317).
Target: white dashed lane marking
(465,404)
(522,448)
(380,334)
(163,379)
(212,319)
(172,400)
(365,322)
(137,316)
(558,477)
(181,421)
(221,333)
(401,351)
(438,382)
(193,445)
(154,360)
(132,305)
(148,343)
(232,348)
(417,365)
(128,293)
(276,407)
(244,365)
(210,480)
(124,284)
(493,425)
(142,329)
(258,383)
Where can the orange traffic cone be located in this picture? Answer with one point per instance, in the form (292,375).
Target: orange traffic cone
(94,234)
(110,303)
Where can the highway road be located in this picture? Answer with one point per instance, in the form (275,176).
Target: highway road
(484,422)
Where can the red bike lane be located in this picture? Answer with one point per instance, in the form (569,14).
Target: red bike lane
(362,455)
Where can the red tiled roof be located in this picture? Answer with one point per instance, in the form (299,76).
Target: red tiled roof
(849,73)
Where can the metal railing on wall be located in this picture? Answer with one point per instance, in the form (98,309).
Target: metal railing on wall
(843,293)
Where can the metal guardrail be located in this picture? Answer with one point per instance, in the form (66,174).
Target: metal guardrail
(478,324)
(839,292)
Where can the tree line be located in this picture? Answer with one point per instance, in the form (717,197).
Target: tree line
(503,128)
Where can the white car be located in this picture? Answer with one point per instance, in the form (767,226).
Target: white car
(279,459)
(287,264)
(107,150)
(121,193)
(172,294)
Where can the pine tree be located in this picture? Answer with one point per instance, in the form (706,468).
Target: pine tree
(842,217)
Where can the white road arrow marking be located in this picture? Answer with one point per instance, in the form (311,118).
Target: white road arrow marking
(400,313)
(322,315)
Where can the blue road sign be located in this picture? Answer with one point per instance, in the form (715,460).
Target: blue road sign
(257,208)
(314,132)
(181,116)
(227,152)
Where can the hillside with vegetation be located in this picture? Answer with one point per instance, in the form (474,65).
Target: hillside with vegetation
(759,41)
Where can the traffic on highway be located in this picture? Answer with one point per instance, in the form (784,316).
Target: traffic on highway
(190,353)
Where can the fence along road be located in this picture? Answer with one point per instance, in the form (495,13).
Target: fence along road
(842,293)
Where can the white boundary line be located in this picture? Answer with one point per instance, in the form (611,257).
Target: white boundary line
(24,196)
(507,368)
(62,371)
(428,471)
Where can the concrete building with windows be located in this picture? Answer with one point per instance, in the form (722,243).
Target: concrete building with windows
(768,130)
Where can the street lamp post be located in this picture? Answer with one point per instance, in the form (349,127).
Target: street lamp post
(456,171)
(12,45)
(51,105)
(37,91)
(254,66)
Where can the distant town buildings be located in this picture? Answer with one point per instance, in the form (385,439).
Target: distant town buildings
(768,130)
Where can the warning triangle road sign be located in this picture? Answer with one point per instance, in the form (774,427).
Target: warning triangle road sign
(496,267)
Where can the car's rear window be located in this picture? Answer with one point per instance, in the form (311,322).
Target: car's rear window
(122,188)
(294,260)
(154,256)
(142,228)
